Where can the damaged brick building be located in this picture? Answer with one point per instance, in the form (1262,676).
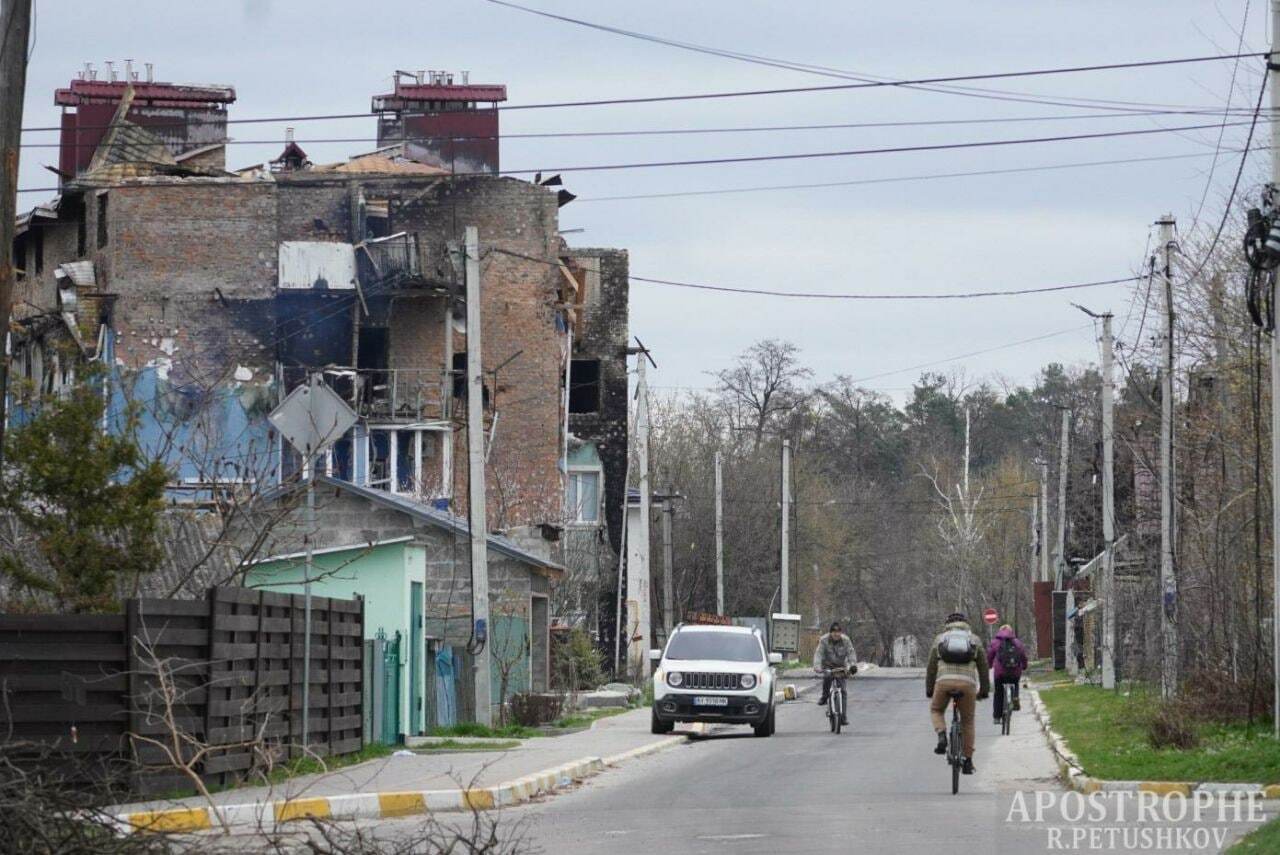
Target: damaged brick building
(209,293)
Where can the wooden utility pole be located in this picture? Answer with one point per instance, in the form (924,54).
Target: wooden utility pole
(15,29)
(1168,581)
(668,568)
(478,526)
(719,538)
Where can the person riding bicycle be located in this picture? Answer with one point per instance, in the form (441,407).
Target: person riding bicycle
(956,665)
(834,651)
(1008,659)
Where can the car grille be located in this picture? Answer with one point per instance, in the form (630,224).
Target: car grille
(696,680)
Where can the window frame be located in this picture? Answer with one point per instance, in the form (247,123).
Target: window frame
(574,515)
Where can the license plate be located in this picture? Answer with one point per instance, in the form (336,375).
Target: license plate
(710,702)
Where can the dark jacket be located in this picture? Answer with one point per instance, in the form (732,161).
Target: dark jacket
(993,655)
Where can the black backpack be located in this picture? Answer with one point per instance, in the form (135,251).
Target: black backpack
(1008,656)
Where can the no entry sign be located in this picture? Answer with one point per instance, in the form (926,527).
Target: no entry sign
(990,615)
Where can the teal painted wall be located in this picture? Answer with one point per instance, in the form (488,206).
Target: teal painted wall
(381,574)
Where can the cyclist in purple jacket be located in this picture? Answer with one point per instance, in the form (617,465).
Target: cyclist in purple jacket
(1008,658)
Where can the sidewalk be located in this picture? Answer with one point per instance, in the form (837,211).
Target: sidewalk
(574,755)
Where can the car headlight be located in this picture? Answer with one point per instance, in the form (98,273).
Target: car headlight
(675,678)
(748,681)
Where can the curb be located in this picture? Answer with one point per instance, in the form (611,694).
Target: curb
(1072,773)
(383,805)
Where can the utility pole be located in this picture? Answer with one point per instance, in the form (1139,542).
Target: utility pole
(785,552)
(477,524)
(638,566)
(719,538)
(1274,83)
(1044,519)
(1108,591)
(1168,582)
(15,29)
(1064,463)
(668,567)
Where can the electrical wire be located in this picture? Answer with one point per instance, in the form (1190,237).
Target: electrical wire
(967,355)
(894,179)
(744,93)
(824,71)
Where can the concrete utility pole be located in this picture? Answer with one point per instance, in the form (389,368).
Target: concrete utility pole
(1064,463)
(1274,84)
(1108,591)
(785,552)
(719,538)
(1044,519)
(1168,582)
(638,566)
(15,29)
(477,522)
(668,590)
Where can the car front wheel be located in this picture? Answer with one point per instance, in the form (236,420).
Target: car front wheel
(766,727)
(657,725)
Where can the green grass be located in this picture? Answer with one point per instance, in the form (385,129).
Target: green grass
(585,718)
(453,745)
(1264,839)
(1107,731)
(471,728)
(310,765)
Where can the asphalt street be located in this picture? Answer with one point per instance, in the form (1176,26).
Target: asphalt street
(877,787)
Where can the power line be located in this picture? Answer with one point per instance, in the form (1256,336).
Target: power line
(824,71)
(898,178)
(967,355)
(833,296)
(745,93)
(761,158)
(686,131)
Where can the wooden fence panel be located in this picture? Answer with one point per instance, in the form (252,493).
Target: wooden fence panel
(226,671)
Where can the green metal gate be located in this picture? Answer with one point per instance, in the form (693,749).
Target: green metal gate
(382,689)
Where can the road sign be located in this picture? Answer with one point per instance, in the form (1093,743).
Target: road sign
(312,417)
(990,615)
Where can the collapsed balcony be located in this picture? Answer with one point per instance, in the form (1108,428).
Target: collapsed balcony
(384,395)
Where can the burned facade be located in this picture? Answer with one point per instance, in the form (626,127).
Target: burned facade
(207,294)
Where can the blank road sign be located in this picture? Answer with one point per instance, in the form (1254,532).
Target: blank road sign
(312,417)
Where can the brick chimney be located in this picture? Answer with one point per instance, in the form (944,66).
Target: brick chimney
(452,124)
(188,117)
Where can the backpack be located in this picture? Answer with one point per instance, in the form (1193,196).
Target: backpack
(956,647)
(1008,656)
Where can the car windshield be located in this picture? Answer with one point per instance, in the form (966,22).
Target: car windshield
(730,646)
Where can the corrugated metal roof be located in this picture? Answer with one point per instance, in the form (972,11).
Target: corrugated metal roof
(167,94)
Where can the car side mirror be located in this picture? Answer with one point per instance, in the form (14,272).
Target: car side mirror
(655,655)
(775,658)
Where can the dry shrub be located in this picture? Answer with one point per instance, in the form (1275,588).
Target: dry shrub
(534,709)
(1172,725)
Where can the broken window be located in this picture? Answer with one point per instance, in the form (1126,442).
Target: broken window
(37,248)
(377,218)
(82,238)
(102,220)
(405,460)
(584,386)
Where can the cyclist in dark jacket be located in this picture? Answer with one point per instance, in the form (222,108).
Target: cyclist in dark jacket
(1008,659)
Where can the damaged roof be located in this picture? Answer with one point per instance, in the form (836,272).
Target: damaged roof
(391,160)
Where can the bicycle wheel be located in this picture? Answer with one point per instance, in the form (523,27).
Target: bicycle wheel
(1006,719)
(837,711)
(955,756)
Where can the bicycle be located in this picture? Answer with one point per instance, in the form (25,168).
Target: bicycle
(836,703)
(955,743)
(1006,716)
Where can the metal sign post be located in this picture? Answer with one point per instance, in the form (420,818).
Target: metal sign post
(310,418)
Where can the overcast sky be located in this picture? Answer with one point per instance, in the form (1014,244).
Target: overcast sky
(995,232)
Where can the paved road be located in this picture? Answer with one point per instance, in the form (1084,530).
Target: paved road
(877,787)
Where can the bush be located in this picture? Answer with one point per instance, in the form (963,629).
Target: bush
(578,664)
(532,710)
(1173,725)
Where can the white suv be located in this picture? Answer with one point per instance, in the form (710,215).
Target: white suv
(714,673)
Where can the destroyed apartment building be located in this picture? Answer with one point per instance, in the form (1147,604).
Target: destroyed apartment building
(208,293)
